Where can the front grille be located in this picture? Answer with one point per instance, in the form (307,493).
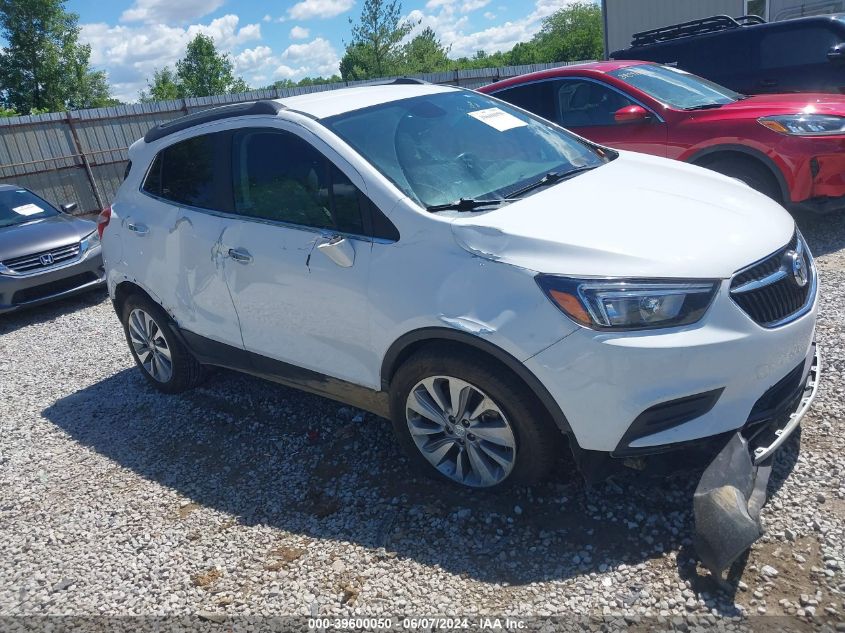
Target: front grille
(43,260)
(770,291)
(59,286)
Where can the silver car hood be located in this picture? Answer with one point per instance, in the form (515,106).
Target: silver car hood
(42,235)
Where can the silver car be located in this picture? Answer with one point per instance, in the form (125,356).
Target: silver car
(45,253)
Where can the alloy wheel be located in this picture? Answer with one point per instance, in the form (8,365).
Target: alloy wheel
(150,345)
(461,431)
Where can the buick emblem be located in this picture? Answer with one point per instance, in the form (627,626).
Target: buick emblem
(795,263)
(46,259)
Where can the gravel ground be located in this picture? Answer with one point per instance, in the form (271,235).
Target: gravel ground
(244,497)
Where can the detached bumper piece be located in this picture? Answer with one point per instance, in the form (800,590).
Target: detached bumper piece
(732,491)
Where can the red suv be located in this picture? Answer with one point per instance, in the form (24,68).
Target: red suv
(789,146)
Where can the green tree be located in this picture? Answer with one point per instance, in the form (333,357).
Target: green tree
(570,34)
(164,86)
(204,72)
(425,53)
(375,48)
(42,65)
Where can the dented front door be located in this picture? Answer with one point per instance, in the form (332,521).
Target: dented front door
(301,296)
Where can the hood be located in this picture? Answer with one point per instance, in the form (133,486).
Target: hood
(637,216)
(42,235)
(806,103)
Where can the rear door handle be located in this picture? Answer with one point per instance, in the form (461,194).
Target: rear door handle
(138,229)
(240,255)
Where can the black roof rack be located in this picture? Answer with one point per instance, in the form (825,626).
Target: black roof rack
(694,27)
(214,114)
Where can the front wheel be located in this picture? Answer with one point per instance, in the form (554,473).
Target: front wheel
(162,358)
(462,418)
(752,173)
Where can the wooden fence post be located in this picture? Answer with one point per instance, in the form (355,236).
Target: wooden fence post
(85,164)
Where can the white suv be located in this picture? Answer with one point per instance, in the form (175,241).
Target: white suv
(482,277)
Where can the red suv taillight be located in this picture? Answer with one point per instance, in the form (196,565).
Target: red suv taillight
(103,221)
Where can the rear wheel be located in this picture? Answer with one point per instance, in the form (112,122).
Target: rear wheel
(749,171)
(462,418)
(162,358)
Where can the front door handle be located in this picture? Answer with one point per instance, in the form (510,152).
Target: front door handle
(137,228)
(240,255)
(769,83)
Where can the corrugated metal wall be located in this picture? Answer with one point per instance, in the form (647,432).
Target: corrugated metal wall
(626,17)
(80,156)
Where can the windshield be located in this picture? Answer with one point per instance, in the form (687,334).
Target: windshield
(443,147)
(676,88)
(19,205)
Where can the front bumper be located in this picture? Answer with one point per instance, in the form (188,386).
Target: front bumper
(21,291)
(604,381)
(731,493)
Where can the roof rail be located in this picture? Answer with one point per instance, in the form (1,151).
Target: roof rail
(265,107)
(712,24)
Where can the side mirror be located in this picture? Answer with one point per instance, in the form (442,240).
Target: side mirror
(70,207)
(632,114)
(837,53)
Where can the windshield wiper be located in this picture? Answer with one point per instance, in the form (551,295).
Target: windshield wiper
(466,204)
(551,178)
(705,106)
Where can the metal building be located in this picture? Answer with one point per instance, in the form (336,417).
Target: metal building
(623,18)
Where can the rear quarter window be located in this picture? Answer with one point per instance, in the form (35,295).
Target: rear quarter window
(796,46)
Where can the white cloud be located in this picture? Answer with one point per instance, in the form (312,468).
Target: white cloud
(267,18)
(451,29)
(319,8)
(168,11)
(473,5)
(299,33)
(317,57)
(489,15)
(131,54)
(251,60)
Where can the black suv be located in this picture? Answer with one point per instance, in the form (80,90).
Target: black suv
(751,55)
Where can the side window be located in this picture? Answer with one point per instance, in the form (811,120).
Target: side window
(194,172)
(279,176)
(152,184)
(535,97)
(796,47)
(347,203)
(585,103)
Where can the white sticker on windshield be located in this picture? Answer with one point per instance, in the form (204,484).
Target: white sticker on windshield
(498,119)
(27,209)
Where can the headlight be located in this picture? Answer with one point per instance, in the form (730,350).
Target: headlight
(804,124)
(90,241)
(629,304)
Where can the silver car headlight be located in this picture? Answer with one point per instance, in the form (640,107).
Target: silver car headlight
(629,304)
(804,124)
(92,240)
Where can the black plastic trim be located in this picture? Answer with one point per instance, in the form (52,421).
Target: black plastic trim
(255,108)
(211,352)
(665,415)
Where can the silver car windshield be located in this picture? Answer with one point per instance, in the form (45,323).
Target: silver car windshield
(19,205)
(676,88)
(461,145)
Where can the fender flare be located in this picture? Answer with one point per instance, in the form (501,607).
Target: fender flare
(394,354)
(751,153)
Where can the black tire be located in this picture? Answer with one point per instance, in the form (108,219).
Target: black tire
(538,441)
(186,373)
(749,171)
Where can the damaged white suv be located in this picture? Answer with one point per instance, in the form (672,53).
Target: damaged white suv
(482,277)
